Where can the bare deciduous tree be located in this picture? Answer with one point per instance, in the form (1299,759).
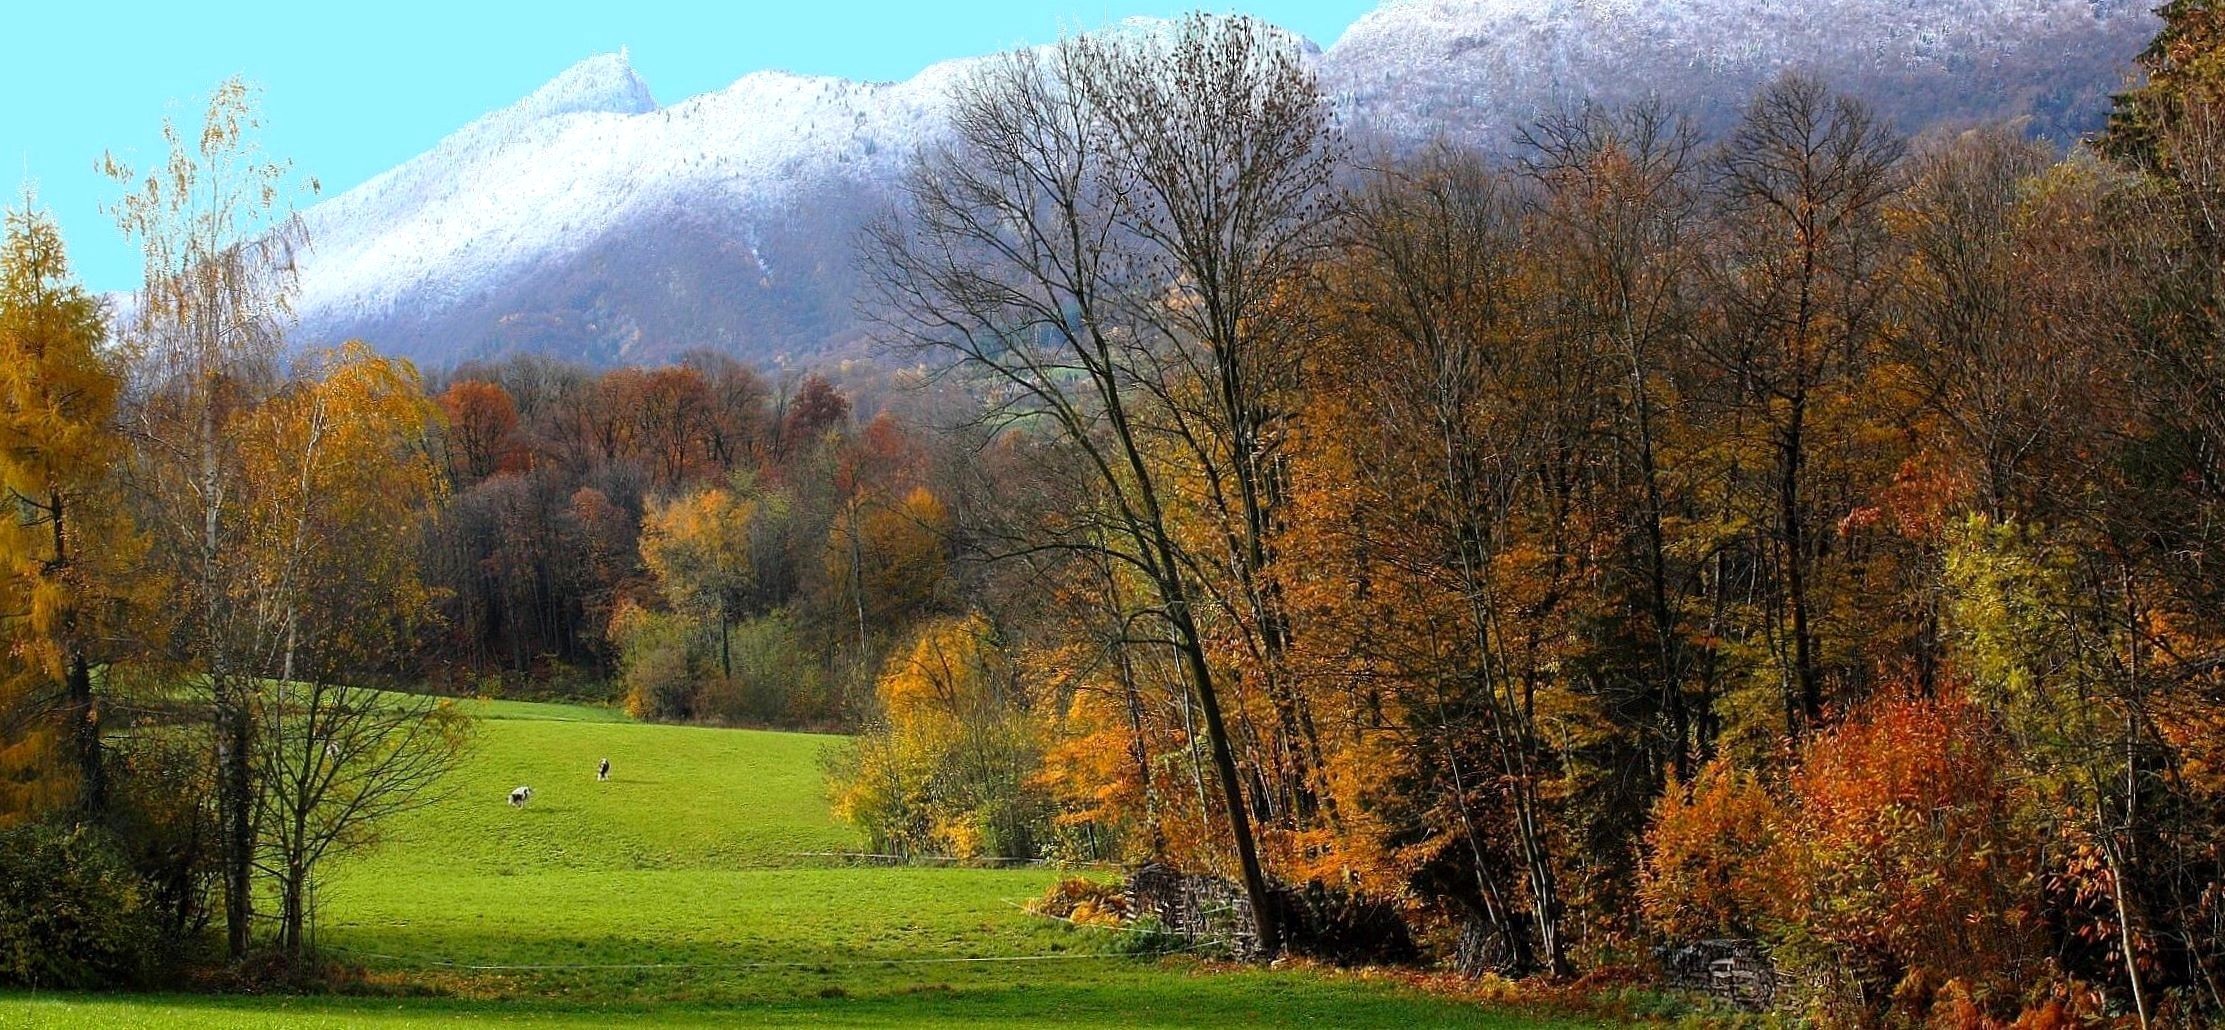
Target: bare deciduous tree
(1228,149)
(334,761)
(1098,248)
(218,234)
(1801,273)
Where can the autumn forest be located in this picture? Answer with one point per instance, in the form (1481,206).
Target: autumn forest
(1797,543)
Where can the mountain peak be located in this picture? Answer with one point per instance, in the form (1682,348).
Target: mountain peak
(603,83)
(567,224)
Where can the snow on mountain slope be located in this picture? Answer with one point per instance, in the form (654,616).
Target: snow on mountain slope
(587,155)
(1479,68)
(589,222)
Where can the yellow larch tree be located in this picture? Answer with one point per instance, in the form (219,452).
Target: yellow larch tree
(57,392)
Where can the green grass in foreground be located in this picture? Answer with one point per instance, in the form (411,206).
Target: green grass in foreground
(683,893)
(1140,997)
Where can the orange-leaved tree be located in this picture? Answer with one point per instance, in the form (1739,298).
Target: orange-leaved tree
(891,555)
(482,430)
(62,533)
(343,476)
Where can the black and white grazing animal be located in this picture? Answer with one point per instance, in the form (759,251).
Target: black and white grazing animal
(519,796)
(602,772)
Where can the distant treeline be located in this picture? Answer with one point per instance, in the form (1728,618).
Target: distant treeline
(703,540)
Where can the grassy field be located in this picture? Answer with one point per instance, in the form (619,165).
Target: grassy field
(684,892)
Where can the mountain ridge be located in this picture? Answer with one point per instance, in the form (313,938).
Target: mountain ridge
(589,222)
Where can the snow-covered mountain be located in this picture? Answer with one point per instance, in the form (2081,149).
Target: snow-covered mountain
(587,221)
(1477,69)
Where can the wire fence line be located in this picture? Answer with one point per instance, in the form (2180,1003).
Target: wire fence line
(851,963)
(425,961)
(1041,863)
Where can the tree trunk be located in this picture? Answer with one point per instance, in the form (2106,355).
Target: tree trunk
(1795,543)
(857,574)
(235,805)
(292,918)
(78,710)
(1519,954)
(1665,642)
(234,801)
(1265,923)
(725,647)
(84,716)
(2126,939)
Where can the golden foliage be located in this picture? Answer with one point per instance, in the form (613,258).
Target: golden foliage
(64,544)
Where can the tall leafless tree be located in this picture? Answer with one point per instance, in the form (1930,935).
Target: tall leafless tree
(1045,256)
(1228,149)
(1801,274)
(218,238)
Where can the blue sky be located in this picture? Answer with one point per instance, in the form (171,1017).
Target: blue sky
(354,88)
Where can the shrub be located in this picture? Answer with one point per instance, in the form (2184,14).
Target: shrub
(777,680)
(170,835)
(655,665)
(72,912)
(1890,876)
(1710,866)
(1084,901)
(1909,869)
(952,766)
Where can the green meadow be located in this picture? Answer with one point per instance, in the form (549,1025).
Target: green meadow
(692,889)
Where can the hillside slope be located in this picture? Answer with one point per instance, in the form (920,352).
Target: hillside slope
(1476,69)
(588,222)
(675,894)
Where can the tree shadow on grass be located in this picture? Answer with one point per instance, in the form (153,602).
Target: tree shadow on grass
(1165,1000)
